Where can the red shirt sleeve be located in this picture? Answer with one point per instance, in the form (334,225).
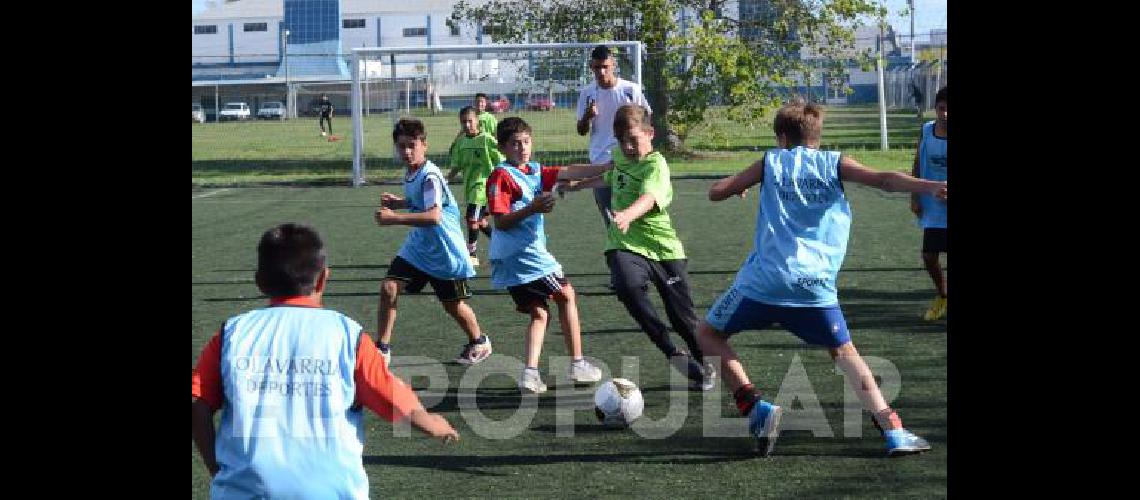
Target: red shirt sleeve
(549,178)
(206,378)
(502,190)
(377,388)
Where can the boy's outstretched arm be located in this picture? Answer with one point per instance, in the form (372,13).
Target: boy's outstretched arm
(576,185)
(542,203)
(434,425)
(379,390)
(389,200)
(888,181)
(641,206)
(202,430)
(738,183)
(583,170)
(387,217)
(451,174)
(206,397)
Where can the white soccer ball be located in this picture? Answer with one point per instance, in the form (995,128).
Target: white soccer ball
(618,402)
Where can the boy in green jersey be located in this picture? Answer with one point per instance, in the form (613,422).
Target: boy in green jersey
(642,247)
(474,153)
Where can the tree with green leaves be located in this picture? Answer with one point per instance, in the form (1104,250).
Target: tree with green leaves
(744,62)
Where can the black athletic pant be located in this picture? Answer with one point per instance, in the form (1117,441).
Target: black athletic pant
(632,273)
(325,118)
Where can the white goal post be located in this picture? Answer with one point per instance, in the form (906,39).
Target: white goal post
(381,83)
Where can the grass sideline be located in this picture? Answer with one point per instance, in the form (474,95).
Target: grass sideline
(882,286)
(292,153)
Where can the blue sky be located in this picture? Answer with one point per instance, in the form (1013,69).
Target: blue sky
(929,14)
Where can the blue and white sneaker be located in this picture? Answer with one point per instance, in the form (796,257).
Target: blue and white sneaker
(903,442)
(764,423)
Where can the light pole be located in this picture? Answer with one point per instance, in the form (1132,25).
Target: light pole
(912,58)
(288,88)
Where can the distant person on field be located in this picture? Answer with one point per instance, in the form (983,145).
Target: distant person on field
(930,163)
(326,109)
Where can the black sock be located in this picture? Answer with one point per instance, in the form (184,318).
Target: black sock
(472,237)
(486,230)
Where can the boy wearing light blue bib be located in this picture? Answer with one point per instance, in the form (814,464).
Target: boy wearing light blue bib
(789,278)
(930,163)
(434,251)
(518,194)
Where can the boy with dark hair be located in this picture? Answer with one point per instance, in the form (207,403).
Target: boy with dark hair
(642,247)
(433,251)
(518,193)
(487,121)
(930,163)
(290,380)
(475,154)
(789,278)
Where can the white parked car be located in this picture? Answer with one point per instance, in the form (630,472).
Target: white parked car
(234,111)
(199,115)
(271,111)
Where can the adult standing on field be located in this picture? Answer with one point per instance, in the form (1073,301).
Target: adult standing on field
(597,105)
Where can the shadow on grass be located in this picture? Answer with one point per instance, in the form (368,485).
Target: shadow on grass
(476,465)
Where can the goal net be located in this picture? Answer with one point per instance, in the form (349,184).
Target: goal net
(536,82)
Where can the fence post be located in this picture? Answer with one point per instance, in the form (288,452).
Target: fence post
(357,125)
(882,95)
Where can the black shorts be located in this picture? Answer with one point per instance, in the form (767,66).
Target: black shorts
(934,240)
(414,280)
(536,292)
(476,212)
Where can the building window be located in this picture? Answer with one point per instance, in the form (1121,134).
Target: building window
(408,32)
(209,29)
(352,23)
(256,27)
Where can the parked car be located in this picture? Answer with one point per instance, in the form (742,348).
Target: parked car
(540,103)
(500,105)
(271,111)
(234,111)
(199,114)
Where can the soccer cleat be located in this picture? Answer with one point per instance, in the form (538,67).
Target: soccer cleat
(903,442)
(690,368)
(386,352)
(708,380)
(530,381)
(475,352)
(937,309)
(323,133)
(764,423)
(583,371)
(473,260)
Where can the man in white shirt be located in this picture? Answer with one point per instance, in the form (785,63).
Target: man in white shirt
(597,105)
